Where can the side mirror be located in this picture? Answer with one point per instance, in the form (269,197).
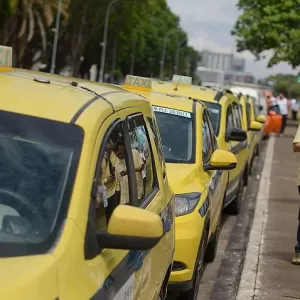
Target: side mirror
(260,107)
(221,160)
(131,228)
(261,119)
(238,135)
(255,126)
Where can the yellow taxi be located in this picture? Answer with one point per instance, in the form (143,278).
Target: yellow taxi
(86,211)
(225,114)
(195,170)
(256,115)
(252,127)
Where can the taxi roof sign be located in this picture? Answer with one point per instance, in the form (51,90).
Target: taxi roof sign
(182,79)
(5,57)
(137,82)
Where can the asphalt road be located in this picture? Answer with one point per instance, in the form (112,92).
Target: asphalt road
(221,278)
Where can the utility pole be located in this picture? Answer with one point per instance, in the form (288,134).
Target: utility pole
(113,65)
(188,65)
(133,55)
(163,54)
(104,43)
(56,32)
(177,55)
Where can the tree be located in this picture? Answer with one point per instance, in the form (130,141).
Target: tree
(133,25)
(285,84)
(270,25)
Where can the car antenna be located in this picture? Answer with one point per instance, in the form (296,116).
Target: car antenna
(75,84)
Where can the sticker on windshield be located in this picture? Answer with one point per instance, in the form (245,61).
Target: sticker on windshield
(171,111)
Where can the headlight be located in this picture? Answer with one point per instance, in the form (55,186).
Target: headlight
(185,203)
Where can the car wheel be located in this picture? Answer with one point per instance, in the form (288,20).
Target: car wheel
(234,207)
(212,247)
(199,267)
(246,177)
(163,293)
(257,151)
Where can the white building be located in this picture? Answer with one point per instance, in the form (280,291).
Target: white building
(218,69)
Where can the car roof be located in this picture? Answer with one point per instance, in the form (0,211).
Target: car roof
(58,97)
(191,91)
(166,100)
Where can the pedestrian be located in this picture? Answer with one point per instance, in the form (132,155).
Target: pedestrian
(295,108)
(111,195)
(121,172)
(283,108)
(296,148)
(273,104)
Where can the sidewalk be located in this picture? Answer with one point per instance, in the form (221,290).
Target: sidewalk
(268,273)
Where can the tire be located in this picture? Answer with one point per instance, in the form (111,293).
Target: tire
(246,177)
(234,207)
(212,247)
(257,150)
(164,289)
(266,137)
(198,271)
(251,166)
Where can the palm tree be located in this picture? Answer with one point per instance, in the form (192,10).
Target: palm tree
(30,21)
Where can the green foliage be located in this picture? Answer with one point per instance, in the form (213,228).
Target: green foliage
(270,25)
(285,84)
(5,10)
(135,27)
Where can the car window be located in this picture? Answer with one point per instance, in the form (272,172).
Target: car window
(229,120)
(146,178)
(207,144)
(214,110)
(248,112)
(37,172)
(237,116)
(113,186)
(241,110)
(177,132)
(157,140)
(211,129)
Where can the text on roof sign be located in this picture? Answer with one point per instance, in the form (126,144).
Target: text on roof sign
(172,111)
(182,79)
(5,56)
(141,82)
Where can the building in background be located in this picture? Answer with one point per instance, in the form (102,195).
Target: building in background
(219,69)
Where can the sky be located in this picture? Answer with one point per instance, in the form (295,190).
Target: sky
(209,23)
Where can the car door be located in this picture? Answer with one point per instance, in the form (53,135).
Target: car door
(219,180)
(113,274)
(233,147)
(156,262)
(252,135)
(213,176)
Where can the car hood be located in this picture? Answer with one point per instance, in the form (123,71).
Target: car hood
(185,178)
(28,278)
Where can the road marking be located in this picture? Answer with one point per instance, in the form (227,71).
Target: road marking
(249,278)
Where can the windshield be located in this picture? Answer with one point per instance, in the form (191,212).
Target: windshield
(176,130)
(214,110)
(38,163)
